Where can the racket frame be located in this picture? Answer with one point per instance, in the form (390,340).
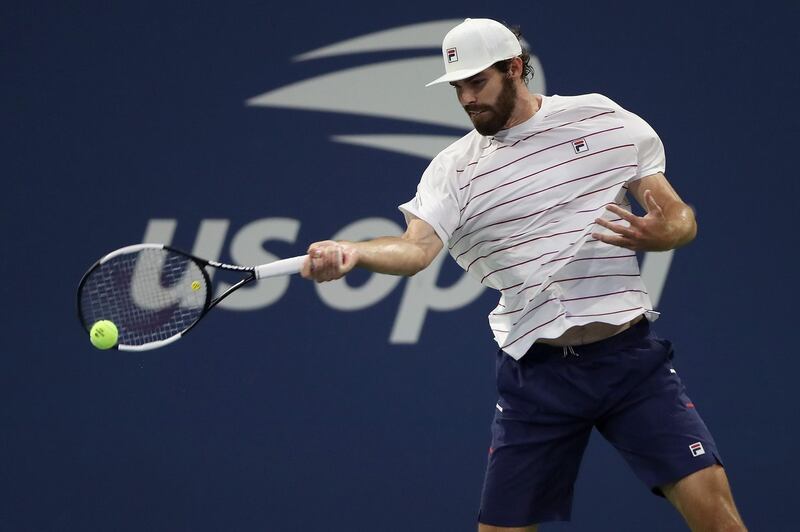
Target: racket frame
(280,267)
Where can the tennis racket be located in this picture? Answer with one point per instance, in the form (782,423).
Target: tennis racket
(155,294)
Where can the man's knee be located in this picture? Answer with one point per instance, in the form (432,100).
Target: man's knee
(490,528)
(705,501)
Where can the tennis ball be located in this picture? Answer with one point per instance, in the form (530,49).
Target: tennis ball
(104,334)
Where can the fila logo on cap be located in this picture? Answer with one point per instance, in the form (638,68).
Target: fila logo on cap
(452,55)
(697,449)
(580,145)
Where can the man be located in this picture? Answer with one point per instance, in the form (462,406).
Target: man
(533,204)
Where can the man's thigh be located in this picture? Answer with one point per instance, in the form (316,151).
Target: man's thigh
(537,447)
(531,473)
(655,425)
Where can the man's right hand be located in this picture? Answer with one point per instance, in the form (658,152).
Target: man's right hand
(329,260)
(392,255)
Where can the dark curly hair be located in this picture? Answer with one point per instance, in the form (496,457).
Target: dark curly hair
(505,65)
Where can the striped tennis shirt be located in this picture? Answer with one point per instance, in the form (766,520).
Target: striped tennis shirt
(517,212)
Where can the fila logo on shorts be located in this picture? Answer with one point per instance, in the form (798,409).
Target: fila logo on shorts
(580,145)
(452,55)
(697,449)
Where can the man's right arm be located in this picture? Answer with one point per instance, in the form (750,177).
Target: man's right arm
(404,255)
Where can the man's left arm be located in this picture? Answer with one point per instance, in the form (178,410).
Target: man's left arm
(668,224)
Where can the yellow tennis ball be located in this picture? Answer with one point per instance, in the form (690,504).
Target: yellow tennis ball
(104,334)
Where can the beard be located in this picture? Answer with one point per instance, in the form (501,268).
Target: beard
(493,117)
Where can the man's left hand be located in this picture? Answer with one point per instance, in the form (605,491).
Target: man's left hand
(652,232)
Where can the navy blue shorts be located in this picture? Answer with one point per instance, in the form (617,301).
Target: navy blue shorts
(550,400)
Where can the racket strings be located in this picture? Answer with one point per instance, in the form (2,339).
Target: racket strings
(151,295)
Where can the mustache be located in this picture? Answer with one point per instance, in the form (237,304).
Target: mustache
(477,108)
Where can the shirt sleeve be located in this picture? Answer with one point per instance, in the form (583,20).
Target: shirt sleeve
(651,157)
(436,201)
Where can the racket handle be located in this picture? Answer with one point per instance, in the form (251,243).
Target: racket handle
(280,267)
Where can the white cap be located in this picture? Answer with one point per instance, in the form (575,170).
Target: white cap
(475,45)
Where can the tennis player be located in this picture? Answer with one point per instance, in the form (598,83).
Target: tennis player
(534,203)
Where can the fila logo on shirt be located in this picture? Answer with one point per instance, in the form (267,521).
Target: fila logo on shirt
(697,449)
(452,55)
(580,145)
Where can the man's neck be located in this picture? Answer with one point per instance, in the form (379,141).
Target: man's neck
(527,106)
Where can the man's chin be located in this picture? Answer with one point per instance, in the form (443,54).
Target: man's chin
(486,123)
(487,130)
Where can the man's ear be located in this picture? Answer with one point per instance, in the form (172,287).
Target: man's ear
(510,72)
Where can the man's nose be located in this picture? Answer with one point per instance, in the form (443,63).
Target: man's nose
(466,97)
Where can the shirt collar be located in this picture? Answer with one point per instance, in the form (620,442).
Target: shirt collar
(520,131)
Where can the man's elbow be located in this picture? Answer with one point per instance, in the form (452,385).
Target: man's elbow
(693,231)
(422,260)
(690,228)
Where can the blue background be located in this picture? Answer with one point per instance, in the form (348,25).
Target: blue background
(299,416)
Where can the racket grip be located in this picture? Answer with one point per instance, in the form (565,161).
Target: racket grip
(280,267)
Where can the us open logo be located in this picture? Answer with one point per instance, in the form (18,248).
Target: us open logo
(452,55)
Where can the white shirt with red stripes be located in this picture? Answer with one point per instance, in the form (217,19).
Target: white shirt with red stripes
(517,212)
